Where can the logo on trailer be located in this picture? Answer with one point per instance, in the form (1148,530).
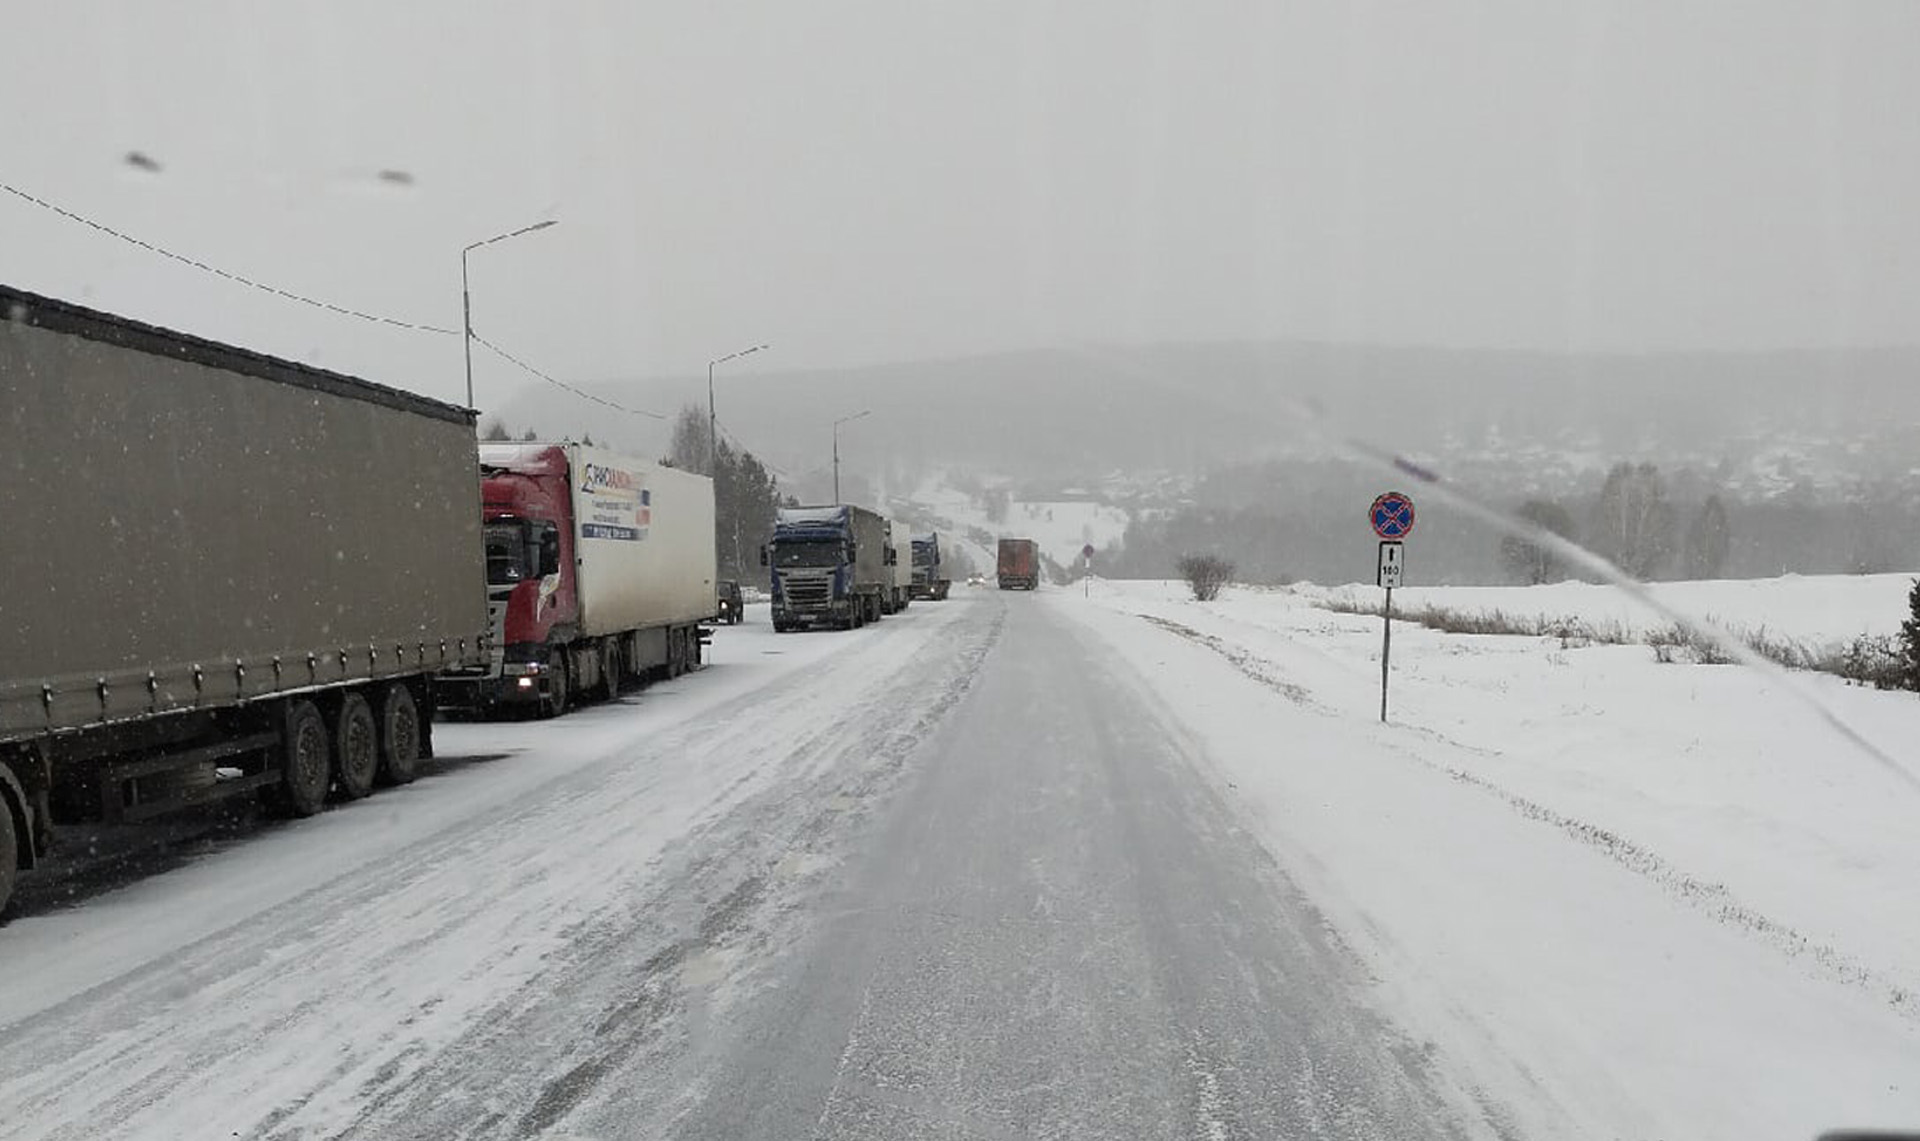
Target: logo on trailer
(613,504)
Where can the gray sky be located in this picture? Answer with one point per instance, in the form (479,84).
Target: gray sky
(861,182)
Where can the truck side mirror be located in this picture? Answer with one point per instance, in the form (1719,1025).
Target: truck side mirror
(763,556)
(549,552)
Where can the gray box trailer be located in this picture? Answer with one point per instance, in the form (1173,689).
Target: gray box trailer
(227,573)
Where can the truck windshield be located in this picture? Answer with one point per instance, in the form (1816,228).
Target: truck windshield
(810,553)
(922,555)
(510,553)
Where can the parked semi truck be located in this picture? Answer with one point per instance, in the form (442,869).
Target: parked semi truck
(929,574)
(900,551)
(600,571)
(227,574)
(1019,564)
(828,566)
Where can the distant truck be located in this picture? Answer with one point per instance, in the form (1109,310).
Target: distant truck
(226,574)
(600,571)
(900,545)
(1019,564)
(929,573)
(828,566)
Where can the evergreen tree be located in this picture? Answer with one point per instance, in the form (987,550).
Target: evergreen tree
(745,493)
(496,432)
(1910,639)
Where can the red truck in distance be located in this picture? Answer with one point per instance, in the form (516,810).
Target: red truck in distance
(1019,564)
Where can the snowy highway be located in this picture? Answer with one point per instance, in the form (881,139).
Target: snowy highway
(938,878)
(1011,866)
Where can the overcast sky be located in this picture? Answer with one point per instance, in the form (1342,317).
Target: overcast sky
(859,182)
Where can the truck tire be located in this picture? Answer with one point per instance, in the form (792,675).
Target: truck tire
(610,668)
(305,768)
(9,852)
(356,748)
(561,686)
(399,736)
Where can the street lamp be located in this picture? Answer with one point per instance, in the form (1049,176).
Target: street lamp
(713,437)
(466,295)
(836,448)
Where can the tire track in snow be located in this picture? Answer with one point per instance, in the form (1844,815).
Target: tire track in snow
(327,1013)
(629,1029)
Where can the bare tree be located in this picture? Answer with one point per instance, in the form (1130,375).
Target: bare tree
(687,448)
(1708,538)
(1528,561)
(1633,524)
(1205,575)
(496,432)
(997,502)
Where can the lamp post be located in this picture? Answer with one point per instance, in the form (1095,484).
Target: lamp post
(466,294)
(713,422)
(836,448)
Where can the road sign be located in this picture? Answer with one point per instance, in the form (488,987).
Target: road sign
(1389,572)
(1391,516)
(1086,552)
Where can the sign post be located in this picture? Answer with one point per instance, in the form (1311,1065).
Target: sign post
(1392,519)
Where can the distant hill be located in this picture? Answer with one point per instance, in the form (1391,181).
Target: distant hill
(1071,415)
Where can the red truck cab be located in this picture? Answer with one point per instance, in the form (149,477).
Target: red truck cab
(526,511)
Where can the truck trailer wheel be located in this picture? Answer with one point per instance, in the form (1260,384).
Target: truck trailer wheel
(305,771)
(9,853)
(399,736)
(356,748)
(610,668)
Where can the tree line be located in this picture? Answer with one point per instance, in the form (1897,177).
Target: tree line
(1633,525)
(1285,520)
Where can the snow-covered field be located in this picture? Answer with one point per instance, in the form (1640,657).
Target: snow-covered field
(1809,608)
(1632,898)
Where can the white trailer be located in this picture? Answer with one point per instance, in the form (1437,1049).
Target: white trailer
(900,588)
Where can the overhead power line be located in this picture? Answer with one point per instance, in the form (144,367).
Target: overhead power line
(216,271)
(504,355)
(345,311)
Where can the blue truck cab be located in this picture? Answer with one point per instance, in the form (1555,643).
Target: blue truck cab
(828,566)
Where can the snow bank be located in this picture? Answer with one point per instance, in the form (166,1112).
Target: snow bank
(1631,899)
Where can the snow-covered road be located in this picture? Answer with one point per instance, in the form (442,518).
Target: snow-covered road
(1011,866)
(940,877)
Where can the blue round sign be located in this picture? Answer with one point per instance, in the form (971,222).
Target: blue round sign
(1391,516)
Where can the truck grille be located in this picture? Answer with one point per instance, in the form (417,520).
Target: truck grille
(808,593)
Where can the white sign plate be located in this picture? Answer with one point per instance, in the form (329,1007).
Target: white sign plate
(1389,575)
